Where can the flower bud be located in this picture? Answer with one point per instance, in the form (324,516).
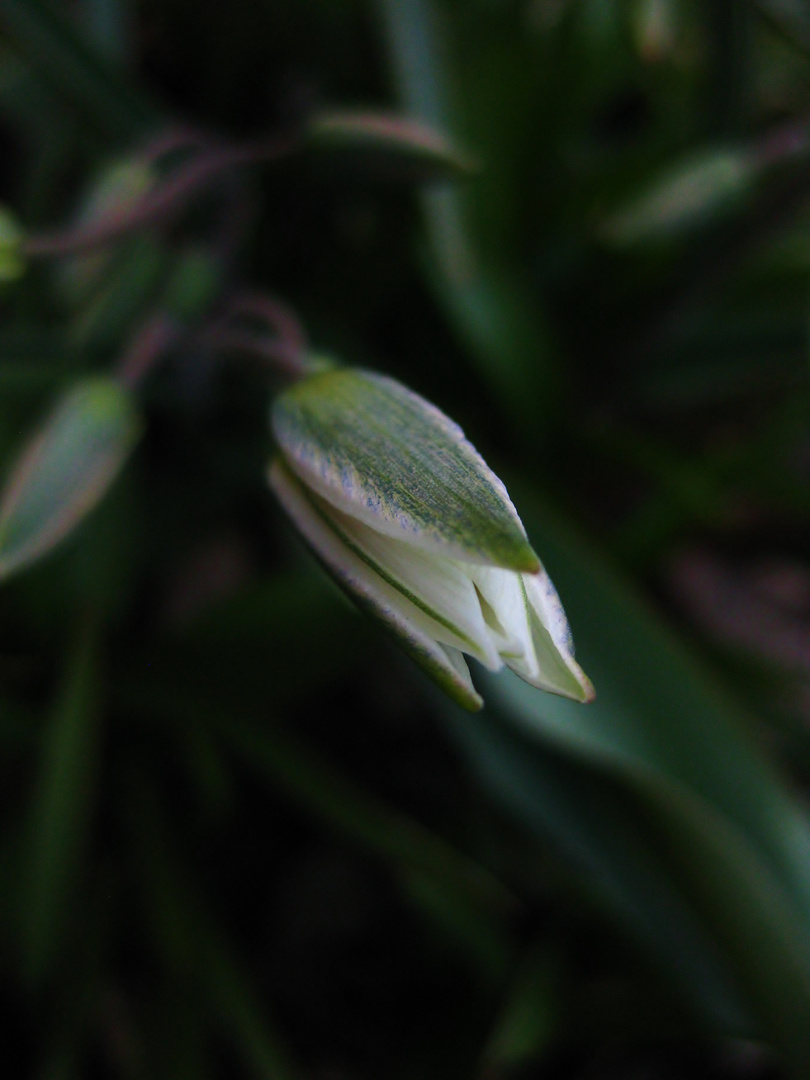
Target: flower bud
(64,469)
(410,521)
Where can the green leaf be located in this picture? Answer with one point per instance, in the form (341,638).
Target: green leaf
(793,18)
(12,263)
(129,284)
(485,295)
(192,942)
(65,469)
(380,143)
(696,192)
(387,457)
(61,807)
(739,839)
(526,1024)
(193,284)
(602,831)
(112,194)
(43,34)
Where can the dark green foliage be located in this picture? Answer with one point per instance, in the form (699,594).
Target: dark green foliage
(240,837)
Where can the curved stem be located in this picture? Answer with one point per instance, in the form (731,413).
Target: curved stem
(268,309)
(277,353)
(162,202)
(286,350)
(154,338)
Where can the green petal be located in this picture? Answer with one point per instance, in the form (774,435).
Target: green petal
(387,457)
(444,664)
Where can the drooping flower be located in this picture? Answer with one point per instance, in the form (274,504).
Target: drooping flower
(410,521)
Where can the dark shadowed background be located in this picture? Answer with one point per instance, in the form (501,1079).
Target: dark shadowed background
(240,835)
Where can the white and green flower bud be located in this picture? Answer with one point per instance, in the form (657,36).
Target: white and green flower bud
(407,517)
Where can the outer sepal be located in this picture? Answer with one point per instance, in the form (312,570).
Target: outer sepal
(384,455)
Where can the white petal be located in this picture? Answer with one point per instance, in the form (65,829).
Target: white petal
(448,604)
(506,611)
(558,670)
(444,664)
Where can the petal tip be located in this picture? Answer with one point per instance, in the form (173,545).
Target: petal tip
(529,561)
(588,692)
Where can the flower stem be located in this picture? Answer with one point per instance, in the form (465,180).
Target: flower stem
(164,201)
(154,338)
(286,349)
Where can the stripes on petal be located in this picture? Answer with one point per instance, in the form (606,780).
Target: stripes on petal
(411,626)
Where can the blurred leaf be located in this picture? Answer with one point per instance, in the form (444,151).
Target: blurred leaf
(603,833)
(65,469)
(655,28)
(525,1026)
(319,787)
(447,883)
(385,144)
(61,808)
(12,263)
(193,944)
(662,729)
(496,319)
(111,23)
(128,284)
(792,16)
(113,193)
(193,285)
(488,303)
(44,35)
(696,192)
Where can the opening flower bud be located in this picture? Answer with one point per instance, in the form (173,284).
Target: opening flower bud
(410,521)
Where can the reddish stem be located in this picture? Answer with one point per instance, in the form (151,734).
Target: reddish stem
(155,337)
(160,203)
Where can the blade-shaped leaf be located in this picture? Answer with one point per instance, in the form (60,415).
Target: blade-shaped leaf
(695,192)
(739,842)
(488,299)
(600,831)
(46,38)
(65,469)
(190,939)
(61,806)
(379,143)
